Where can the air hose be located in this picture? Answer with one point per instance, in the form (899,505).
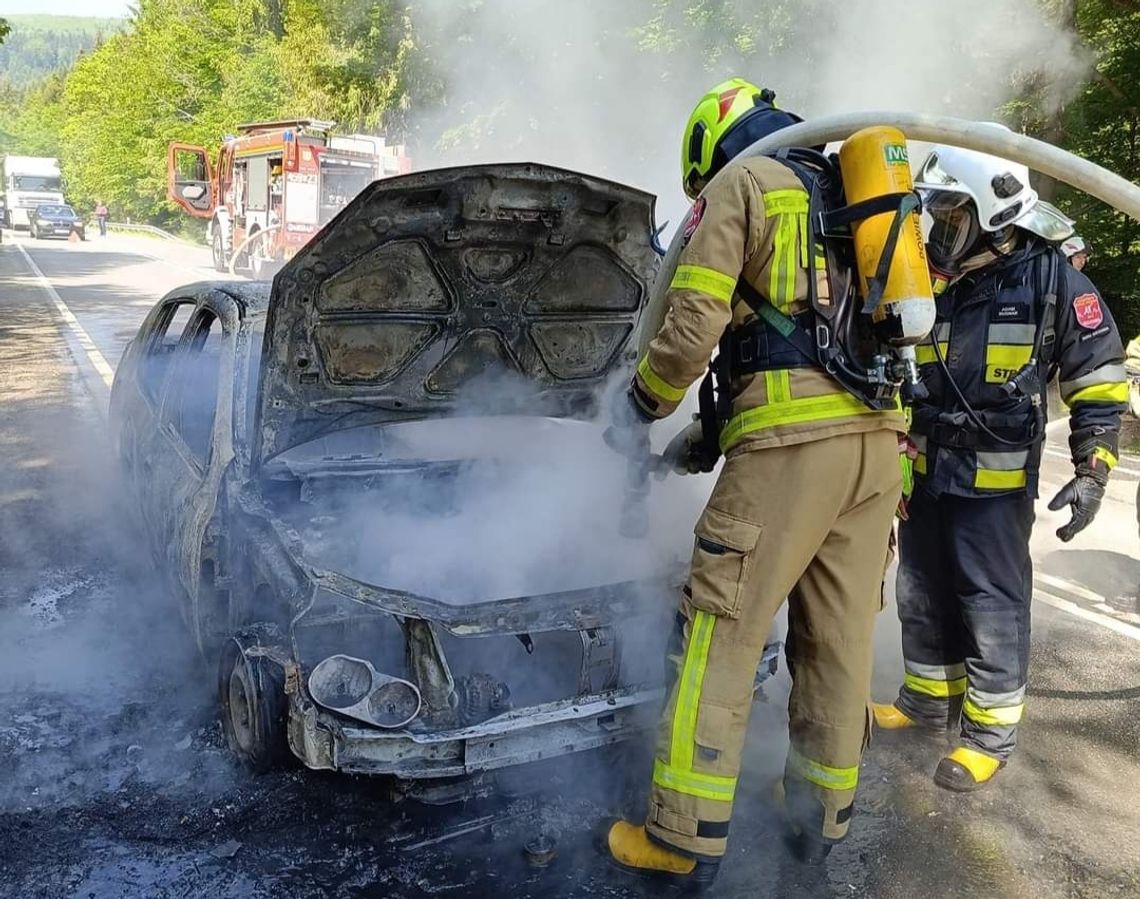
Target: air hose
(1043,157)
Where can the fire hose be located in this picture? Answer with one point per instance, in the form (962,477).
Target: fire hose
(260,234)
(1086,176)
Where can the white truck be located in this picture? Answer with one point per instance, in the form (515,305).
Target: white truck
(29,181)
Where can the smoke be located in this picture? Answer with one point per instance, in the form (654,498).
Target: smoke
(607,87)
(493,506)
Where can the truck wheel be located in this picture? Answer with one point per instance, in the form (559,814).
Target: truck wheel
(219,250)
(259,266)
(251,690)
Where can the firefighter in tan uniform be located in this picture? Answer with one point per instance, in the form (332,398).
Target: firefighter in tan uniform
(802,510)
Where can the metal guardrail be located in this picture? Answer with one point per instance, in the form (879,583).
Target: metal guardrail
(146,229)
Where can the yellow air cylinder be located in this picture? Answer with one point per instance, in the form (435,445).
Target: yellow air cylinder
(874,162)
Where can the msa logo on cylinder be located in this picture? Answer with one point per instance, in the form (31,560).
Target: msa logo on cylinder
(896,154)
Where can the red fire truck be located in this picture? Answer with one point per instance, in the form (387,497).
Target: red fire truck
(274,186)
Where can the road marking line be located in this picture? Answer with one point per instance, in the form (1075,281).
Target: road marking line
(1119,468)
(1060,583)
(1119,627)
(96,358)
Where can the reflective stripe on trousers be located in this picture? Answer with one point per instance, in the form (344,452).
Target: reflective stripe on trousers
(963,594)
(677,773)
(940,681)
(994,709)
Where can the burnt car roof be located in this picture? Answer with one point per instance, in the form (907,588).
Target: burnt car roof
(428,281)
(251,296)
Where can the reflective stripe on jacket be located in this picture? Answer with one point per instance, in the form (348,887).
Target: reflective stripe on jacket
(751,223)
(986,326)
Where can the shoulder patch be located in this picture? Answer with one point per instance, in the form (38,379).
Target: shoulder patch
(1088,311)
(694,219)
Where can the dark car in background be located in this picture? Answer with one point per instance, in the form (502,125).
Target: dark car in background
(317,463)
(52,220)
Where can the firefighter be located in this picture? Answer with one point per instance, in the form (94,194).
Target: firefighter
(1077,251)
(802,509)
(1010,313)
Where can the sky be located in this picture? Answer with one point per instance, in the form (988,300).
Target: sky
(66,7)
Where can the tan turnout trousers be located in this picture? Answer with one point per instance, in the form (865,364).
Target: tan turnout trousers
(809,522)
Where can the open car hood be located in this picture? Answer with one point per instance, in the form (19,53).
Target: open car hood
(427,282)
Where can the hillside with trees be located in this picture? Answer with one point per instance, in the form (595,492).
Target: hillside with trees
(37,46)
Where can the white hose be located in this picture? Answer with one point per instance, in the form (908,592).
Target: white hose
(1040,156)
(256,235)
(985,137)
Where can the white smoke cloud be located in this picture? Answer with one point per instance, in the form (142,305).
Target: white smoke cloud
(607,87)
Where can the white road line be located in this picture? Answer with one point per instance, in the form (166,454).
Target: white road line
(97,359)
(1119,627)
(1119,468)
(1060,583)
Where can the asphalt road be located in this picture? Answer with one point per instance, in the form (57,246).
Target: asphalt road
(113,781)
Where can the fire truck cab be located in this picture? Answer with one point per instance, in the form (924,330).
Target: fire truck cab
(274,186)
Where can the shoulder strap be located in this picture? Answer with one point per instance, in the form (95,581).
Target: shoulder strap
(1055,285)
(798,336)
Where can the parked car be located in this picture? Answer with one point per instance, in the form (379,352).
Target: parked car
(52,220)
(300,454)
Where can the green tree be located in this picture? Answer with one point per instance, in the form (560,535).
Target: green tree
(1101,122)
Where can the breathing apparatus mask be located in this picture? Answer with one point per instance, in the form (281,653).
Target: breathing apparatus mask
(956,236)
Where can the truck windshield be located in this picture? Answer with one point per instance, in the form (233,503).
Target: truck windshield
(36,182)
(340,184)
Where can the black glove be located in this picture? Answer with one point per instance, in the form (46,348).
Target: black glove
(628,433)
(1084,493)
(686,454)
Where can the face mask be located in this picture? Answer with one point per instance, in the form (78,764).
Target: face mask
(955,231)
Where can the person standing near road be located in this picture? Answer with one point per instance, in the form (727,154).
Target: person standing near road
(1010,314)
(802,509)
(101,218)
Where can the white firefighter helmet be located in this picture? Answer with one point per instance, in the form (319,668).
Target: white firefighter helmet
(971,195)
(1074,245)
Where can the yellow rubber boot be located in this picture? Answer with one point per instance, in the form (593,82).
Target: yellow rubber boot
(889,716)
(965,770)
(630,847)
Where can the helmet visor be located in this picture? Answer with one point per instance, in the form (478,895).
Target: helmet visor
(955,227)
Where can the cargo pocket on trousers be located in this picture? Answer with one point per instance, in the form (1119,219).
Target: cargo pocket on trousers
(722,559)
(718,736)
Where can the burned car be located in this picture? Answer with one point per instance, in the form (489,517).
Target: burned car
(379,484)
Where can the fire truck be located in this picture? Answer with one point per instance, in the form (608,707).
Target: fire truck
(274,185)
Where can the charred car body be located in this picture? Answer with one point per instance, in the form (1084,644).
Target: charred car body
(255,423)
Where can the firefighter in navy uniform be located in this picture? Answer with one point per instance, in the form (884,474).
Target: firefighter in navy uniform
(802,509)
(1011,313)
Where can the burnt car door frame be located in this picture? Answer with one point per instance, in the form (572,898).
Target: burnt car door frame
(146,363)
(189,486)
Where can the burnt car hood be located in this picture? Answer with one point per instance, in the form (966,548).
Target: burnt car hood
(428,282)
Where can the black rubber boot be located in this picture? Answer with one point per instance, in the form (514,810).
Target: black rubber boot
(803,820)
(807,849)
